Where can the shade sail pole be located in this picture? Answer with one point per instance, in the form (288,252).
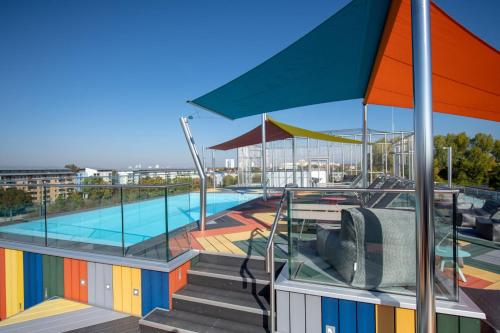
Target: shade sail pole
(364,171)
(199,168)
(263,159)
(424,185)
(294,165)
(450,167)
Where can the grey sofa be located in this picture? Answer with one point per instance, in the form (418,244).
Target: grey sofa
(467,218)
(374,247)
(489,227)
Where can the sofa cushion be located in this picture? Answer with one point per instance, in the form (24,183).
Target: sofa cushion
(490,206)
(495,216)
(373,248)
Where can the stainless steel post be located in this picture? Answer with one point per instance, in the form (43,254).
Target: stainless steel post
(364,171)
(422,95)
(385,152)
(263,158)
(450,166)
(370,169)
(294,162)
(213,168)
(199,168)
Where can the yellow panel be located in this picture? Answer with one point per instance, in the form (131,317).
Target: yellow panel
(46,309)
(136,296)
(405,320)
(384,319)
(20,279)
(206,245)
(117,289)
(230,246)
(14,293)
(127,289)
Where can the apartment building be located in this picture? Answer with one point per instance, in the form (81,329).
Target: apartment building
(30,180)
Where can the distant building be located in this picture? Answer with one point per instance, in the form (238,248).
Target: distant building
(106,174)
(30,180)
(229,163)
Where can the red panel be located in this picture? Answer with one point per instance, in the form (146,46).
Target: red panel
(177,279)
(253,137)
(3,308)
(75,280)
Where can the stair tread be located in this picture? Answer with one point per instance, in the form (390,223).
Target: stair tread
(232,297)
(233,271)
(193,322)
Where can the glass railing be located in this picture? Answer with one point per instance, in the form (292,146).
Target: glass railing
(141,221)
(365,239)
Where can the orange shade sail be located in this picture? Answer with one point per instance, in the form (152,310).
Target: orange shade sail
(466,70)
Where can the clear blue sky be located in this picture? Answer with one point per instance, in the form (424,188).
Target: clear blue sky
(103,83)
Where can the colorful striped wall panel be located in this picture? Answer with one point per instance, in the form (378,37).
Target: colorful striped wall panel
(14,282)
(75,280)
(127,290)
(344,316)
(33,281)
(177,280)
(100,285)
(3,309)
(53,276)
(154,290)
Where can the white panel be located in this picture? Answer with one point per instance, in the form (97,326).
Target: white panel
(297,313)
(313,314)
(283,311)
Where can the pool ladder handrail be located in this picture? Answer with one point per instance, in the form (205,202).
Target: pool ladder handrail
(269,259)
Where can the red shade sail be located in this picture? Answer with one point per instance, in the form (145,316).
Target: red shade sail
(276,130)
(466,70)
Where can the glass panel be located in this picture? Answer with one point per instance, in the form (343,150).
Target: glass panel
(144,222)
(446,246)
(363,240)
(85,218)
(22,213)
(180,220)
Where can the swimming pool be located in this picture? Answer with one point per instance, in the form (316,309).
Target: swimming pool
(142,220)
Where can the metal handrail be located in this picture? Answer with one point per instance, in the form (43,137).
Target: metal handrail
(269,259)
(130,186)
(364,190)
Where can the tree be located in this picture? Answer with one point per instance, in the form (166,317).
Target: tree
(72,167)
(475,160)
(14,201)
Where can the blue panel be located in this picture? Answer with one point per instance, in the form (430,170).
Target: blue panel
(33,284)
(329,313)
(154,290)
(347,314)
(146,291)
(366,317)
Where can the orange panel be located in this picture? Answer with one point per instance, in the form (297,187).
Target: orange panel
(67,279)
(84,289)
(465,70)
(75,280)
(177,280)
(3,307)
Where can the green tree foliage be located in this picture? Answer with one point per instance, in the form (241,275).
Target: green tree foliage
(229,180)
(14,201)
(72,167)
(476,161)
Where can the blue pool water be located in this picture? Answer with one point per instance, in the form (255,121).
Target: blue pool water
(142,220)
